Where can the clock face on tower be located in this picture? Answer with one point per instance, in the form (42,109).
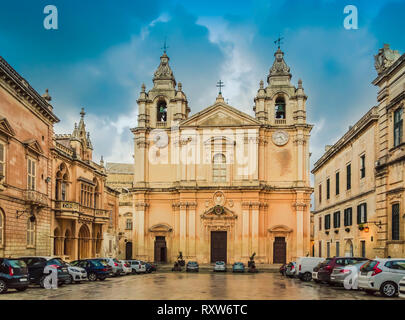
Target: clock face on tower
(280,138)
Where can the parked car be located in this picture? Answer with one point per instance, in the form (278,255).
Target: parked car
(316,269)
(192,266)
(13,275)
(220,266)
(126,267)
(290,271)
(305,267)
(402,288)
(339,274)
(116,267)
(76,273)
(326,270)
(382,275)
(137,266)
(238,267)
(95,268)
(36,266)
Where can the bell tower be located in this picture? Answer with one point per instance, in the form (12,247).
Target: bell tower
(164,105)
(280,103)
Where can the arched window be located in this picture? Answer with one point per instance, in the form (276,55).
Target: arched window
(161,111)
(2,218)
(30,232)
(280,108)
(62,181)
(219,168)
(96,194)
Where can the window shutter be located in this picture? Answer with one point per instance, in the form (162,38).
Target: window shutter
(345,217)
(358,214)
(365,212)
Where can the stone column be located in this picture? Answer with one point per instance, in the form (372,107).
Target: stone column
(255,227)
(140,227)
(191,229)
(245,229)
(300,207)
(183,227)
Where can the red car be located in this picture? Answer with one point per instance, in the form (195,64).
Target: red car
(325,271)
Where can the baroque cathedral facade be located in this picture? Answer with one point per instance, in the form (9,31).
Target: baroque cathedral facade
(221,184)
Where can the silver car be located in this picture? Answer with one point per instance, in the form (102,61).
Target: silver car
(116,266)
(402,288)
(382,275)
(291,269)
(339,274)
(220,266)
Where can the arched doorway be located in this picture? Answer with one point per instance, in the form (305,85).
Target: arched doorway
(67,243)
(56,241)
(349,248)
(84,242)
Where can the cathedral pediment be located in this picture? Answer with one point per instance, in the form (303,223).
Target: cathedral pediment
(218,115)
(219,212)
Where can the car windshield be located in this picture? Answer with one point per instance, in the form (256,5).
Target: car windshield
(17,263)
(368,266)
(57,261)
(220,262)
(192,262)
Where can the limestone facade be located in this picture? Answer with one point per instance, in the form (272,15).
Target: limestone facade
(221,184)
(26,131)
(345,193)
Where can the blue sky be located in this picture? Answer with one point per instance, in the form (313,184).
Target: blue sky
(104,50)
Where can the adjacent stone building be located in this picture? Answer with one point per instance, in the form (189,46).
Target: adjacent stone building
(85,209)
(345,197)
(26,132)
(368,218)
(221,184)
(120,176)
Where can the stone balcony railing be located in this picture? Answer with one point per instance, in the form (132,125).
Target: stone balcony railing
(70,209)
(161,124)
(280,121)
(33,197)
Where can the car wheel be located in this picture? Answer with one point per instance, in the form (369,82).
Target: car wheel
(70,280)
(388,289)
(3,286)
(92,277)
(22,289)
(307,276)
(369,292)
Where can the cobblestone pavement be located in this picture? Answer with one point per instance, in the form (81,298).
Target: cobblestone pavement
(203,285)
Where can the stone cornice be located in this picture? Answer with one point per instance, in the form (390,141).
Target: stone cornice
(387,72)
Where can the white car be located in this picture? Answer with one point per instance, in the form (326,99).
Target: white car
(402,288)
(220,266)
(305,267)
(126,267)
(77,274)
(382,275)
(137,266)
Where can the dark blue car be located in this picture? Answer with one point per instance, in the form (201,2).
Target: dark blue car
(13,275)
(95,268)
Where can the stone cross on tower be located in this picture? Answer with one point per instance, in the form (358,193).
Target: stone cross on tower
(220,85)
(165,47)
(82,113)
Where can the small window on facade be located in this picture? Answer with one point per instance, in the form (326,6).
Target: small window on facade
(320,223)
(31,174)
(348,217)
(328,188)
(348,176)
(337,187)
(219,168)
(327,222)
(327,249)
(362,166)
(336,219)
(337,248)
(395,222)
(2,161)
(362,213)
(280,108)
(320,248)
(30,232)
(398,127)
(129,224)
(161,111)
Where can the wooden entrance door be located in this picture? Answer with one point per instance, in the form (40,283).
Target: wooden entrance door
(128,251)
(279,250)
(160,249)
(218,246)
